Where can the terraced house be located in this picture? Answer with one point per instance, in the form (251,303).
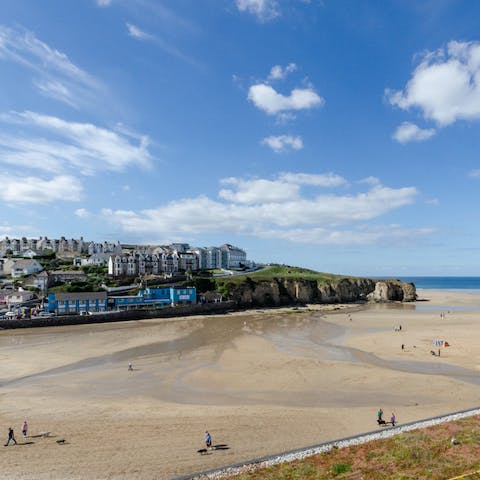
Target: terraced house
(175,258)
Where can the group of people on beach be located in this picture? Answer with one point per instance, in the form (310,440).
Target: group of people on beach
(11,434)
(381,421)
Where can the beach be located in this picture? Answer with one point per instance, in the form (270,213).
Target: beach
(261,382)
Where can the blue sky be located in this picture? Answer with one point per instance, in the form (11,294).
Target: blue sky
(337,135)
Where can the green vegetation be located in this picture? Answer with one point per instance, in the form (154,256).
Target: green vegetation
(281,271)
(339,468)
(76,286)
(420,454)
(225,285)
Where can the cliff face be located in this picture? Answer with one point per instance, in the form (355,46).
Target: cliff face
(284,291)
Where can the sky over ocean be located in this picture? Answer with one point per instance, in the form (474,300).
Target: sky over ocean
(337,135)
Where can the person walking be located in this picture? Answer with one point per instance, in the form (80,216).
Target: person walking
(393,419)
(24,429)
(208,440)
(379,415)
(11,436)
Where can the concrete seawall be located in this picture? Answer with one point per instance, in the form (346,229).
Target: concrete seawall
(124,316)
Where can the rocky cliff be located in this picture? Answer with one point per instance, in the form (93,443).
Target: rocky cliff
(285,291)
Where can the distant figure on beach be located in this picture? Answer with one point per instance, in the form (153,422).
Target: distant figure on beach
(130,367)
(403,346)
(208,440)
(379,415)
(11,436)
(25,429)
(393,419)
(400,328)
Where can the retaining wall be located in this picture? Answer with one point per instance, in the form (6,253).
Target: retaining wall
(123,316)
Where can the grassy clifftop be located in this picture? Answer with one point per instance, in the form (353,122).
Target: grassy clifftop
(281,271)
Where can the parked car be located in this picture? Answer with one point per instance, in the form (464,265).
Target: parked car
(46,314)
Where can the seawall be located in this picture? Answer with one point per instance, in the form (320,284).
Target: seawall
(123,316)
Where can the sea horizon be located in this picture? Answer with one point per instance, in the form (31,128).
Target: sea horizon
(463,283)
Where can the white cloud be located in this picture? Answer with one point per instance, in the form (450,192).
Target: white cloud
(282,143)
(258,191)
(319,180)
(104,3)
(278,206)
(82,147)
(57,76)
(387,234)
(21,189)
(445,86)
(82,213)
(266,98)
(135,32)
(264,10)
(409,132)
(279,73)
(370,180)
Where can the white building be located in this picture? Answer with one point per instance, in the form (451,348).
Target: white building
(20,267)
(233,257)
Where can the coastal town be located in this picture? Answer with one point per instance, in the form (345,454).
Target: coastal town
(45,276)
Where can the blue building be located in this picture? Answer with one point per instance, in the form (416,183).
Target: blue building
(156,298)
(63,303)
(76,302)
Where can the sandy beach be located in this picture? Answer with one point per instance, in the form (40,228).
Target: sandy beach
(261,382)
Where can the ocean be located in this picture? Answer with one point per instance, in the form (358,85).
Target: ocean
(444,283)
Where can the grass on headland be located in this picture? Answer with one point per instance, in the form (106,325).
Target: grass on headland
(283,271)
(420,454)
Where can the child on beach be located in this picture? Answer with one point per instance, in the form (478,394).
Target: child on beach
(208,440)
(24,429)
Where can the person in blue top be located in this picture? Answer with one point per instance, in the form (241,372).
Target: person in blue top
(208,440)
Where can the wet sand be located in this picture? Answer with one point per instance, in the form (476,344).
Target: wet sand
(261,382)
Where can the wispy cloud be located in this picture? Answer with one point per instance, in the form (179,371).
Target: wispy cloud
(445,85)
(137,33)
(82,213)
(104,3)
(52,144)
(277,208)
(264,10)
(56,75)
(283,143)
(409,132)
